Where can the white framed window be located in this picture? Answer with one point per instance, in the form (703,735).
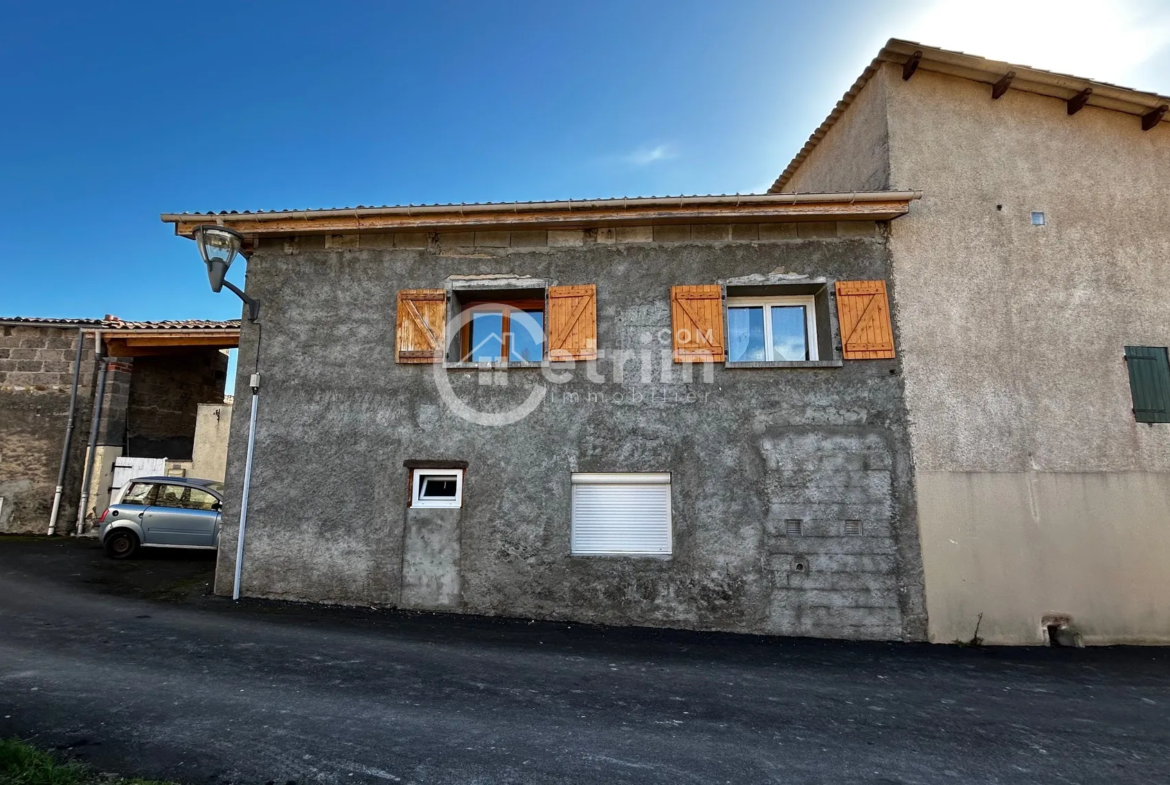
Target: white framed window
(621,514)
(772,329)
(437,488)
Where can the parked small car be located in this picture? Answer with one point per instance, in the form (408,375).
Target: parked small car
(163,512)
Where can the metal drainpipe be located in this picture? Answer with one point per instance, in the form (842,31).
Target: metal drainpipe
(68,434)
(93,434)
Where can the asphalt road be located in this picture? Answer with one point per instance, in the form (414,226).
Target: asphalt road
(132,667)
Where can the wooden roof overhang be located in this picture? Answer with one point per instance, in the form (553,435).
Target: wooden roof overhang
(521,216)
(146,342)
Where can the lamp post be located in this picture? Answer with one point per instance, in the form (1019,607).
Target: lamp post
(219,246)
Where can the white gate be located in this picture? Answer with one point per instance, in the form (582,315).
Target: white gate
(126,469)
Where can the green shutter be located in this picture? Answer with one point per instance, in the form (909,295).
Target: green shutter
(1149,381)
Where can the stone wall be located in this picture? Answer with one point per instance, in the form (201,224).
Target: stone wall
(164,400)
(748,449)
(36,367)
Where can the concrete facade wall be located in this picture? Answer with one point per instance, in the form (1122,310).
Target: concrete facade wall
(748,449)
(36,372)
(212,428)
(1013,338)
(854,155)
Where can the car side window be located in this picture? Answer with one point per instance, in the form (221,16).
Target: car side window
(137,493)
(170,496)
(200,500)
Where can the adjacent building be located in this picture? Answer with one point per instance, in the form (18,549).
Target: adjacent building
(152,376)
(1030,289)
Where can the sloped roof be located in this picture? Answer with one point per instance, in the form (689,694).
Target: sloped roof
(1026,78)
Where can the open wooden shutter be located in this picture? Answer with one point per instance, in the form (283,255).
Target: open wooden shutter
(696,318)
(863,311)
(422,318)
(572,322)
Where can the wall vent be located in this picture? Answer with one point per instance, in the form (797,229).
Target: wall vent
(852,528)
(793,527)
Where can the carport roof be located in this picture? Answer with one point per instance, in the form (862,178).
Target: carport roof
(142,339)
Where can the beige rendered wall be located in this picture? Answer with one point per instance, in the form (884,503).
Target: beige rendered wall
(212,428)
(1038,493)
(853,155)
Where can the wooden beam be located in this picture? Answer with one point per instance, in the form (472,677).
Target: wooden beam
(1001,87)
(126,346)
(1153,117)
(911,65)
(1078,101)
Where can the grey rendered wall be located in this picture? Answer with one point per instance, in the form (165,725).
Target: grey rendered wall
(36,372)
(748,450)
(1039,493)
(854,155)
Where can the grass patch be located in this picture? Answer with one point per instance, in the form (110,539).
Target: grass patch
(21,764)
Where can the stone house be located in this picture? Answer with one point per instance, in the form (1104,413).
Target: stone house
(1029,287)
(680,412)
(155,376)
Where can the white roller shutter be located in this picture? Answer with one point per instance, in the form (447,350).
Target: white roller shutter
(621,515)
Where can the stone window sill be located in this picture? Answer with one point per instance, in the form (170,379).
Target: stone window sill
(788,364)
(493,366)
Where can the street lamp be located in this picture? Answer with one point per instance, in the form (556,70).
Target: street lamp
(218,246)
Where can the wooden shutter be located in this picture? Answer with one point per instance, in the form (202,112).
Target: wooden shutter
(1149,382)
(572,322)
(422,319)
(863,311)
(696,318)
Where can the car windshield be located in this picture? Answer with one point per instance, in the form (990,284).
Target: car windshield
(216,486)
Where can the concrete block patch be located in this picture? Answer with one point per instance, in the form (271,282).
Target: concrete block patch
(411,240)
(493,239)
(672,234)
(774,232)
(711,233)
(532,239)
(559,238)
(816,230)
(635,234)
(745,233)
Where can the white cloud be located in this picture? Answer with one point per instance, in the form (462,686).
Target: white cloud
(1107,42)
(644,156)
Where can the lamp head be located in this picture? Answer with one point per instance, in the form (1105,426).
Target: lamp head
(218,246)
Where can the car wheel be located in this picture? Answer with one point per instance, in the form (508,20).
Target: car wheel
(122,544)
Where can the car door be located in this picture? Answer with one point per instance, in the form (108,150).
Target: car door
(136,499)
(180,515)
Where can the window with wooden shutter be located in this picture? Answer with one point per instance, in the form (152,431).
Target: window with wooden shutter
(572,322)
(863,312)
(696,318)
(1149,382)
(422,319)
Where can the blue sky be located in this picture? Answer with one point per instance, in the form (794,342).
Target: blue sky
(114,113)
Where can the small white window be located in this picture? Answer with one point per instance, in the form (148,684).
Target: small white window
(771,329)
(1037,219)
(437,488)
(621,515)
